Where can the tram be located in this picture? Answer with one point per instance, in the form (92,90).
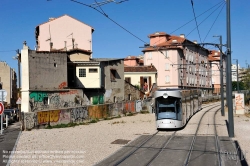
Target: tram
(174,107)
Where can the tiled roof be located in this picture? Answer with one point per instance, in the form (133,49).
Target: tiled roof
(106,59)
(172,42)
(215,53)
(140,68)
(212,58)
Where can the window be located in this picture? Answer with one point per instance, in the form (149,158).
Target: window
(82,72)
(128,79)
(166,66)
(112,74)
(167,79)
(93,70)
(150,55)
(166,54)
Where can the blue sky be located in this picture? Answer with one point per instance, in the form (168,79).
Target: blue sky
(141,17)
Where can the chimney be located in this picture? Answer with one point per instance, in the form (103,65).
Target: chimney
(182,35)
(51,18)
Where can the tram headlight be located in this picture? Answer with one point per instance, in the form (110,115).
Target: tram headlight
(165,95)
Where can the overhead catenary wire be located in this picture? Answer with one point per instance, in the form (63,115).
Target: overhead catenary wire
(204,19)
(214,21)
(221,2)
(110,19)
(197,27)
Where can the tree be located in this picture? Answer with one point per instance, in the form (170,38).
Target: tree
(234,85)
(246,79)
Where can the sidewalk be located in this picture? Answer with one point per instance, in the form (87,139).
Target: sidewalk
(8,141)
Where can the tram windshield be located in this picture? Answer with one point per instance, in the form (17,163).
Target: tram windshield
(168,108)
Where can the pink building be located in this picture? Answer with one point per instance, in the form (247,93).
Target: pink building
(133,61)
(214,59)
(64,33)
(180,63)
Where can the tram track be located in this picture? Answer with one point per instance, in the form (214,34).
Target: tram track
(137,148)
(187,160)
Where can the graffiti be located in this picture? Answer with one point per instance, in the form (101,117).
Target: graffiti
(55,101)
(239,101)
(39,96)
(71,92)
(30,120)
(48,116)
(62,85)
(44,101)
(79,114)
(65,116)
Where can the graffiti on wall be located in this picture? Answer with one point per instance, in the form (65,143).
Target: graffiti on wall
(44,100)
(79,114)
(48,116)
(30,120)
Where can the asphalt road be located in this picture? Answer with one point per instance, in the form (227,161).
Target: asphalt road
(7,142)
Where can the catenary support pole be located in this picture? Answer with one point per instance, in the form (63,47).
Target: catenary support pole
(221,79)
(229,73)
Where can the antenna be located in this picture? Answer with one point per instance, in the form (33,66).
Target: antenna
(73,40)
(49,39)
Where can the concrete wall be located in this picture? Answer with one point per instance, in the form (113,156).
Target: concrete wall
(82,114)
(46,100)
(47,70)
(114,89)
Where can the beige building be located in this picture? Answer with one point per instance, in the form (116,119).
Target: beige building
(8,80)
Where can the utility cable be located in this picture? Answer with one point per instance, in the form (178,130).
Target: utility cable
(214,22)
(204,19)
(195,20)
(110,20)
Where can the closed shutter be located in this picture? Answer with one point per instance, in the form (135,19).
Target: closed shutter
(141,82)
(150,84)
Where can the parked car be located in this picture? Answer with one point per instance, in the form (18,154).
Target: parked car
(4,120)
(10,114)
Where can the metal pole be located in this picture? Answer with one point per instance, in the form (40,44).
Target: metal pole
(238,87)
(230,101)
(221,79)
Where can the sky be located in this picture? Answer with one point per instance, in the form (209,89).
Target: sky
(137,19)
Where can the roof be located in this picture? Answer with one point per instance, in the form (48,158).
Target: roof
(173,42)
(211,58)
(64,16)
(140,68)
(106,59)
(66,51)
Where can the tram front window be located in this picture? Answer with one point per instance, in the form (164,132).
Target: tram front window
(166,108)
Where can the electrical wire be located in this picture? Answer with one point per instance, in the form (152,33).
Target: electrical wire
(110,20)
(204,20)
(197,27)
(214,22)
(193,19)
